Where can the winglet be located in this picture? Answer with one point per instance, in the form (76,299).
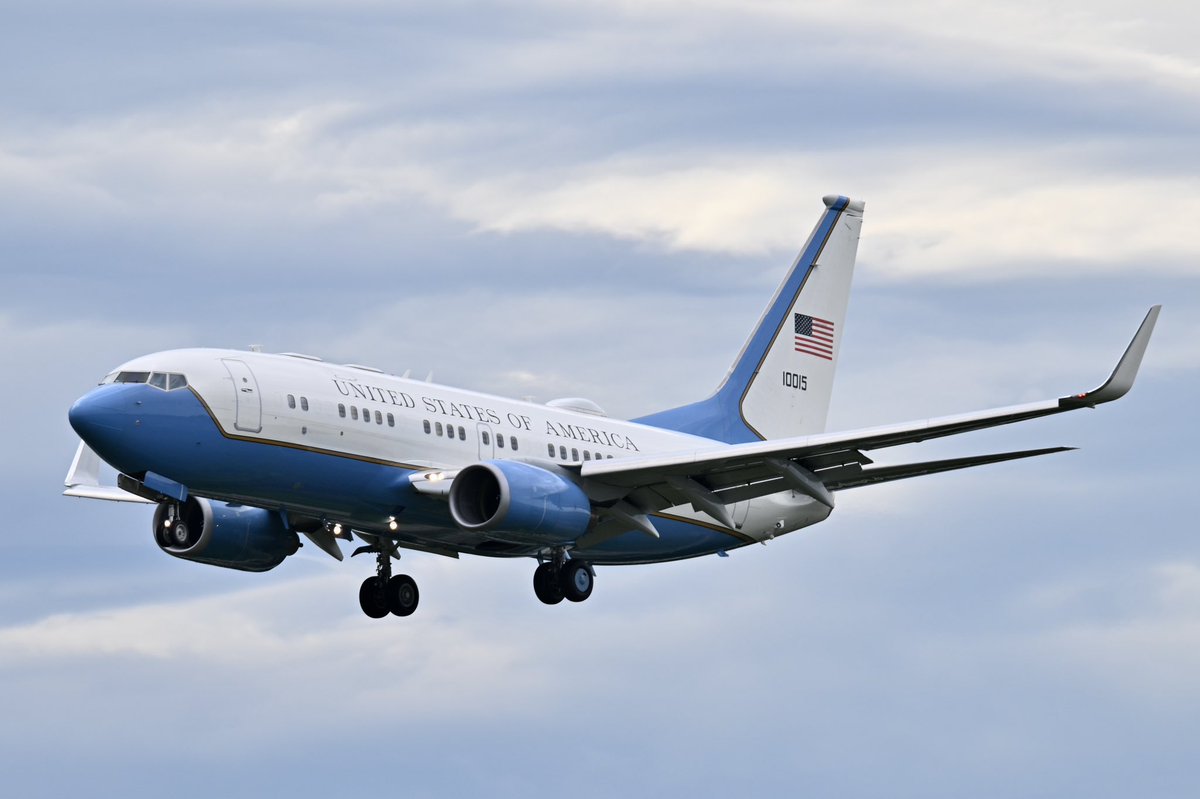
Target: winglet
(1121,380)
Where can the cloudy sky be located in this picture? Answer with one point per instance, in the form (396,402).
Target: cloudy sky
(597,199)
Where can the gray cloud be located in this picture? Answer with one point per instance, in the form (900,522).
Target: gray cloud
(532,199)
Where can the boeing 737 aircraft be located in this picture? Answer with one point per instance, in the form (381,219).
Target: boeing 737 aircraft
(243,452)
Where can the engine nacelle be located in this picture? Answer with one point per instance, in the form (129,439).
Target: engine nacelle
(519,501)
(231,536)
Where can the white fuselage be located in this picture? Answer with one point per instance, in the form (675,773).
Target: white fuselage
(362,414)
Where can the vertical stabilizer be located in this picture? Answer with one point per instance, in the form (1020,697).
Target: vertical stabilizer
(781,383)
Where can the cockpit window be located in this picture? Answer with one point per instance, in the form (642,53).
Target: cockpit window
(132,377)
(167,381)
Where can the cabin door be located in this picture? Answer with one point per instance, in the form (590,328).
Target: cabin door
(245,392)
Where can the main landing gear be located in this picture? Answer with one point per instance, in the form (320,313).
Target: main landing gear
(558,578)
(387,593)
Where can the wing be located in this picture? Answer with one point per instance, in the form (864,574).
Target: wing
(709,479)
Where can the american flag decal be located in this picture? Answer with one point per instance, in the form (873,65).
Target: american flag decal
(814,336)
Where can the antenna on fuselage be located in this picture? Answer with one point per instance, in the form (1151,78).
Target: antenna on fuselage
(256,348)
(429,377)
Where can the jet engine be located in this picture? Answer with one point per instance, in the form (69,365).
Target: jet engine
(520,502)
(219,534)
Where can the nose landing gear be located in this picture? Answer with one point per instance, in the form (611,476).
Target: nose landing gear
(175,531)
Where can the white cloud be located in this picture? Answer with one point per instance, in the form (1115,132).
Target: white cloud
(982,212)
(957,214)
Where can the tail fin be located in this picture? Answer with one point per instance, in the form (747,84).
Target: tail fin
(782,380)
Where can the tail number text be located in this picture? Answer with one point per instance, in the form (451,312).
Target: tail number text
(793,380)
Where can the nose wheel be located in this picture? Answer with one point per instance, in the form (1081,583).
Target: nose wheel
(558,579)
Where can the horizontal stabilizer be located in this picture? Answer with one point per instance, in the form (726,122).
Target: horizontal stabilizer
(109,493)
(83,480)
(885,474)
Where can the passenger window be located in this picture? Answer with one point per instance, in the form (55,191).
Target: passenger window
(562,453)
(341,410)
(574,454)
(366,415)
(500,442)
(512,440)
(425,424)
(378,417)
(462,434)
(587,456)
(291,401)
(439,428)
(486,438)
(391,420)
(159,380)
(598,456)
(175,381)
(304,403)
(550,450)
(354,413)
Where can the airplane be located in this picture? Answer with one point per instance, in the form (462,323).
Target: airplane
(243,452)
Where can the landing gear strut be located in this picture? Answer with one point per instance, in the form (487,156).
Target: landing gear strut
(385,593)
(558,578)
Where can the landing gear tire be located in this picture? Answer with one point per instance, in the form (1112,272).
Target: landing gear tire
(177,534)
(402,595)
(372,599)
(575,580)
(546,585)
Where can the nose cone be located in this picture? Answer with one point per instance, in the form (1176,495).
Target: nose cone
(95,417)
(81,416)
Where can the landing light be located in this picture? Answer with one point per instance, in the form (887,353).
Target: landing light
(434,477)
(167,524)
(392,523)
(337,529)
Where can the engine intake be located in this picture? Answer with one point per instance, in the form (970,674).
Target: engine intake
(230,536)
(521,501)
